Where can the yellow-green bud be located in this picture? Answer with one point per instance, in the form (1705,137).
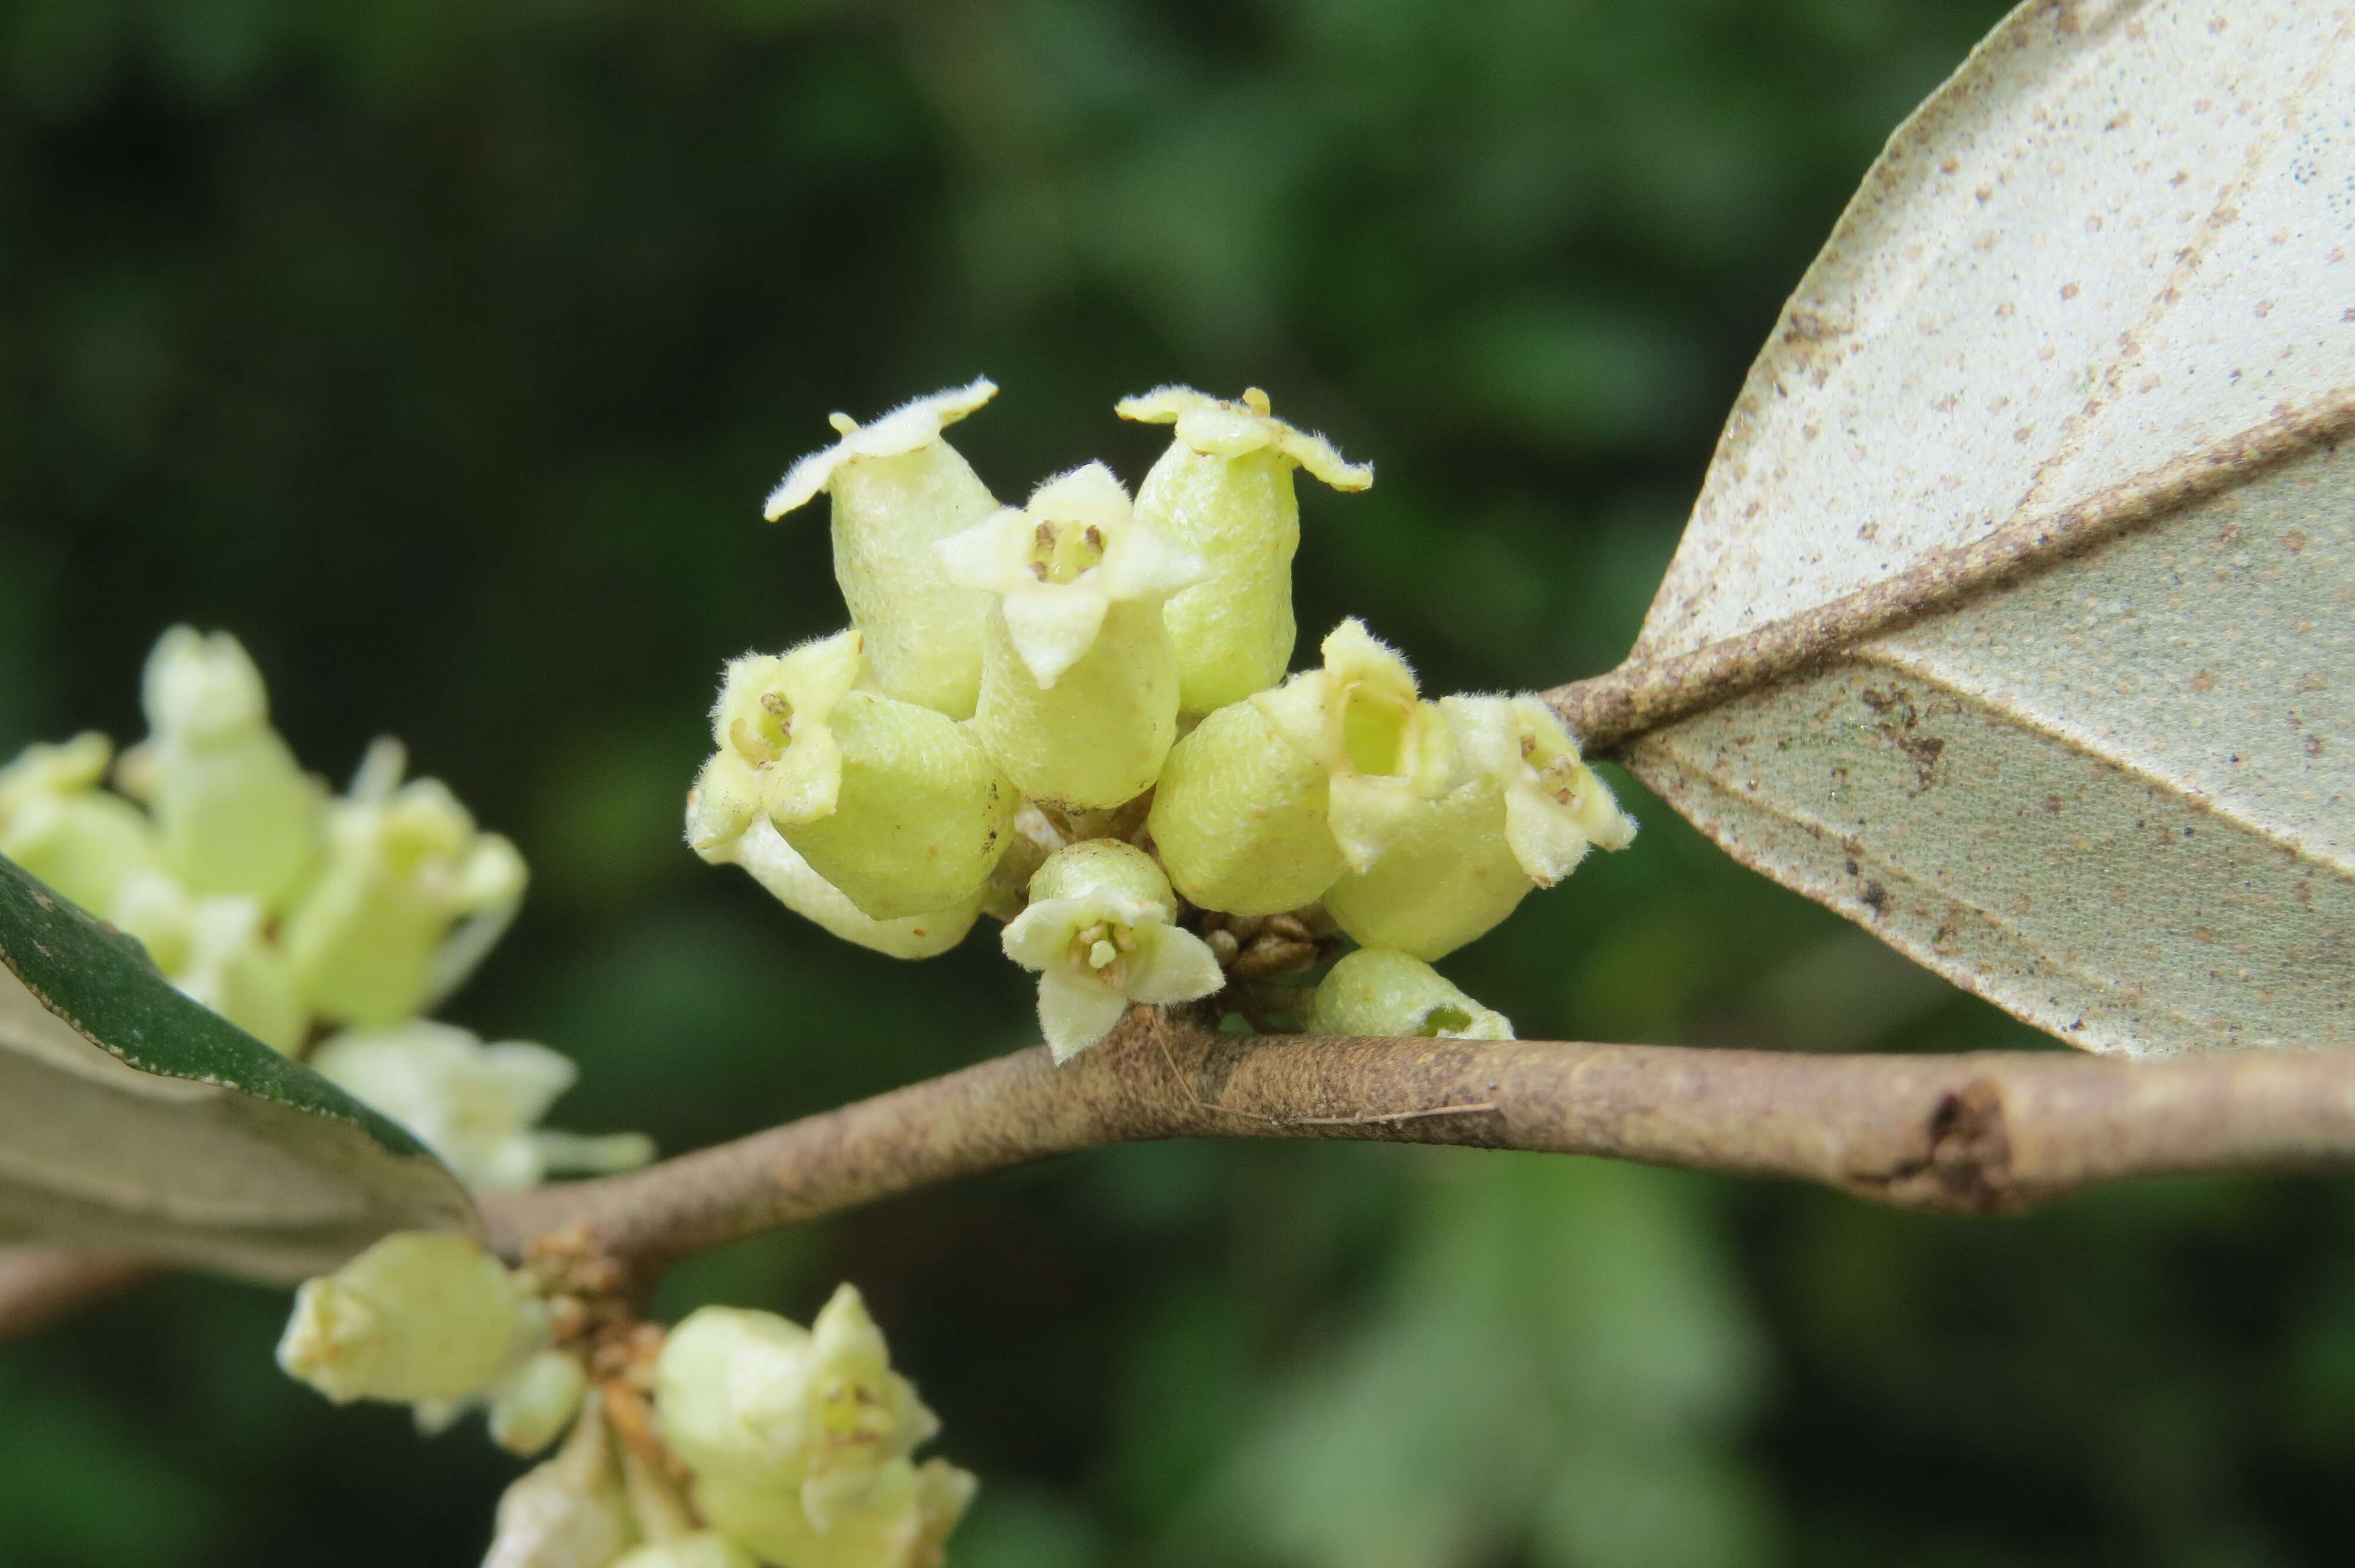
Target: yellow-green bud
(570,1513)
(898,489)
(1099,931)
(1268,802)
(233,813)
(1224,490)
(368,940)
(58,825)
(1520,813)
(904,1523)
(422,1315)
(1378,993)
(475,1106)
(533,1404)
(760,850)
(1079,685)
(896,806)
(700,1549)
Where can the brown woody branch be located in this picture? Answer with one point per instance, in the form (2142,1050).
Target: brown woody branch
(1984,1133)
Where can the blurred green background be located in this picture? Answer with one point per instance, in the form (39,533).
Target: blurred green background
(444,353)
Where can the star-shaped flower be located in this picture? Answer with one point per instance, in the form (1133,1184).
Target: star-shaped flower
(1060,563)
(1556,808)
(1100,932)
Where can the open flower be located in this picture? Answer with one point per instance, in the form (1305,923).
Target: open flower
(897,490)
(58,824)
(894,805)
(1224,490)
(233,813)
(1059,564)
(419,1316)
(1521,811)
(1268,802)
(1099,931)
(377,937)
(477,1106)
(1079,686)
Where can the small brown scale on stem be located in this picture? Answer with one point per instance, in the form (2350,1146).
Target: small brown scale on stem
(591,1315)
(1259,947)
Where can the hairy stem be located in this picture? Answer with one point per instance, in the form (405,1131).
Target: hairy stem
(1981,1133)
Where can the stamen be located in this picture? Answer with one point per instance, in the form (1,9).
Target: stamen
(843,423)
(1256,401)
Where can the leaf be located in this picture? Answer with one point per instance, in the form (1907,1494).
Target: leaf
(2093,307)
(132,1117)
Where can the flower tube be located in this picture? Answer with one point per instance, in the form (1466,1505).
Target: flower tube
(1079,684)
(898,489)
(1224,490)
(1269,800)
(1521,811)
(894,805)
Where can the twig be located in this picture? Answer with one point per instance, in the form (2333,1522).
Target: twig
(1979,1133)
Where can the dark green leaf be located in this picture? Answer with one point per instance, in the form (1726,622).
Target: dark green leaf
(132,1117)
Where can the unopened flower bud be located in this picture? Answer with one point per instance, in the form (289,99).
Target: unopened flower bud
(533,1404)
(1079,684)
(904,1522)
(58,825)
(1099,931)
(422,1315)
(1224,490)
(570,1513)
(899,489)
(1521,812)
(760,850)
(477,1106)
(1268,802)
(1378,993)
(233,813)
(403,870)
(896,806)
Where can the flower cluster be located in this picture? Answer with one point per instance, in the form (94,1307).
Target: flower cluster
(738,1437)
(295,913)
(1075,715)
